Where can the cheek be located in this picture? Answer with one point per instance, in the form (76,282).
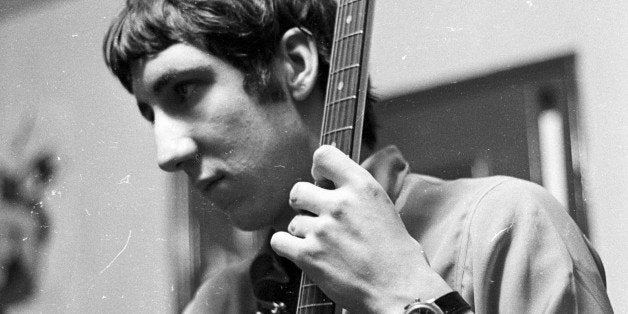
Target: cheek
(225,117)
(247,130)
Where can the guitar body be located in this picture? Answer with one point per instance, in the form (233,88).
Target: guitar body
(343,115)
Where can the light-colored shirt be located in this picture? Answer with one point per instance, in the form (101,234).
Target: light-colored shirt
(505,244)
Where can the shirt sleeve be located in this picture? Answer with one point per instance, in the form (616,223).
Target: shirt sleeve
(526,255)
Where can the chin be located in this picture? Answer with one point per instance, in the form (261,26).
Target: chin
(249,224)
(246,220)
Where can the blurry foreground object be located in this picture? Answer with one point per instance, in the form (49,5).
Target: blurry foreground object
(23,221)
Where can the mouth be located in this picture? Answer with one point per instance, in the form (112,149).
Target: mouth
(207,184)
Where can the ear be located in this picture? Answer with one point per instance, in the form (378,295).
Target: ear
(300,62)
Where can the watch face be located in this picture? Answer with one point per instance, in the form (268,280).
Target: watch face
(424,308)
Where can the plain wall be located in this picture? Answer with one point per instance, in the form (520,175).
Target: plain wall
(107,250)
(50,59)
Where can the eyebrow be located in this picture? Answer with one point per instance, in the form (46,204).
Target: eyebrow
(171,74)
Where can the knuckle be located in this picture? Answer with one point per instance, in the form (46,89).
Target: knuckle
(294,194)
(306,255)
(324,228)
(291,227)
(337,213)
(338,210)
(373,188)
(322,153)
(369,187)
(321,231)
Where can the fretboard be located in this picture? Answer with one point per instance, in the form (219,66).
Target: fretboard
(347,84)
(343,114)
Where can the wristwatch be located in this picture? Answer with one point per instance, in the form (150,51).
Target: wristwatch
(451,303)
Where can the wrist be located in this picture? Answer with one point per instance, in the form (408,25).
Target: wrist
(450,303)
(393,302)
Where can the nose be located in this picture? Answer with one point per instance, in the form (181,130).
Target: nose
(175,146)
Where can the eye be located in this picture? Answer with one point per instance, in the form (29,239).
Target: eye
(187,90)
(146,112)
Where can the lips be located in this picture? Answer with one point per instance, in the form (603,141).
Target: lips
(206,184)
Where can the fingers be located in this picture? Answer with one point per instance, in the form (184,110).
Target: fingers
(286,245)
(309,197)
(332,164)
(301,225)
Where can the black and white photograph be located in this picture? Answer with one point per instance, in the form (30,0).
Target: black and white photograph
(313,156)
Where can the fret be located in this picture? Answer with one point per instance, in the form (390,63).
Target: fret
(313,293)
(344,100)
(338,80)
(315,305)
(348,2)
(308,285)
(346,128)
(337,101)
(345,68)
(353,19)
(333,89)
(360,32)
(342,143)
(348,16)
(339,138)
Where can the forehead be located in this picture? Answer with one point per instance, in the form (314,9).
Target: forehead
(148,73)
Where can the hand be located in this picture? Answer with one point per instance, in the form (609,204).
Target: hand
(354,245)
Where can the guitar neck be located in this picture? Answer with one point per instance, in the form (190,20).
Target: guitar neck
(343,115)
(348,77)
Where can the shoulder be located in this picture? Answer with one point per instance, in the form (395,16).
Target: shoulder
(515,203)
(465,198)
(498,204)
(488,215)
(482,210)
(520,232)
(504,196)
(517,193)
(506,243)
(226,291)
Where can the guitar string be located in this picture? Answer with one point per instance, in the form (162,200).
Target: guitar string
(345,92)
(342,107)
(339,92)
(349,47)
(354,26)
(305,296)
(304,280)
(337,59)
(329,86)
(348,110)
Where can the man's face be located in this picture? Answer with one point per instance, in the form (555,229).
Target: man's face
(242,155)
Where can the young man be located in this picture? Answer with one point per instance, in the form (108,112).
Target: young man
(234,92)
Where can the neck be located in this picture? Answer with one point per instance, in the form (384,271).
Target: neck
(311,112)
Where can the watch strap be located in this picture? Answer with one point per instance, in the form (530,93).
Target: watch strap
(452,303)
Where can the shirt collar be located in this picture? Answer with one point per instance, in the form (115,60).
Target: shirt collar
(389,168)
(274,278)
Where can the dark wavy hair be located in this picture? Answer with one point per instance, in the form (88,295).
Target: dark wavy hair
(245,33)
